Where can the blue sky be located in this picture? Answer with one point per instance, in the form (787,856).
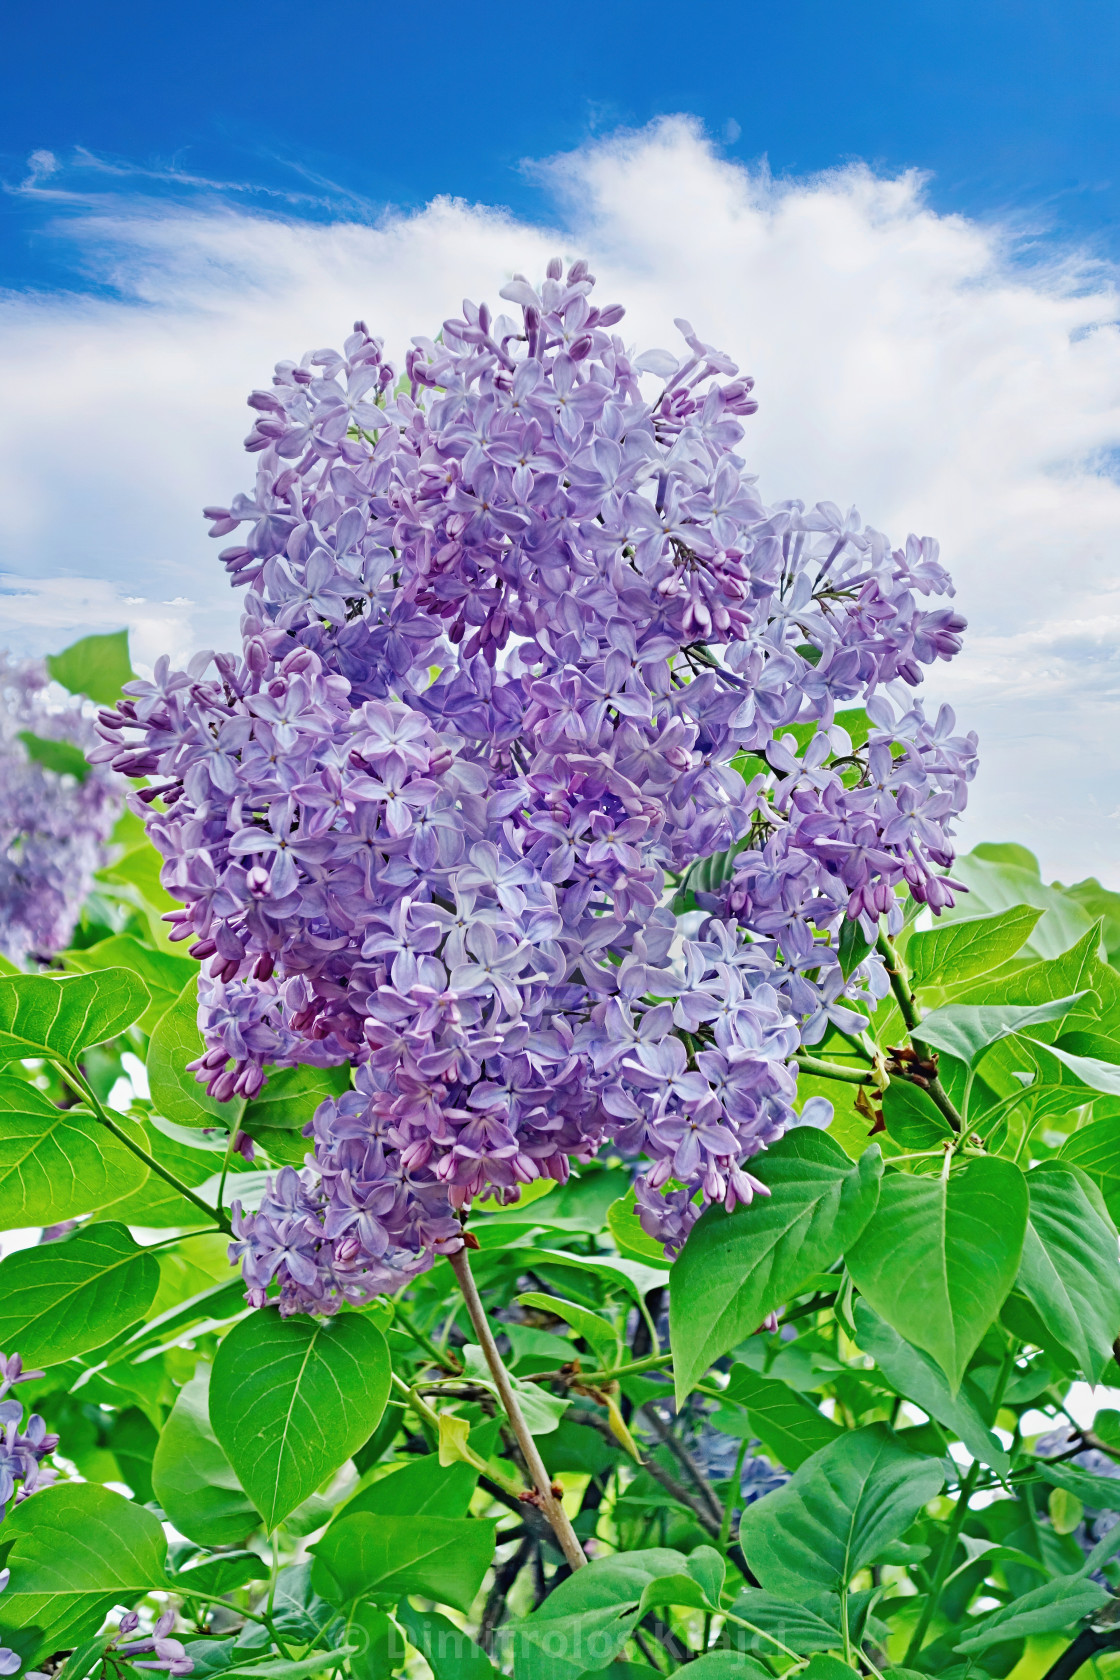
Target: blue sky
(346,108)
(903,219)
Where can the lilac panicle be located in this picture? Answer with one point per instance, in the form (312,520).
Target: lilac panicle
(52,827)
(522,642)
(22,1450)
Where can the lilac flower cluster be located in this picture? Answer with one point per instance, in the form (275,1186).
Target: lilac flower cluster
(521,643)
(167,1654)
(52,826)
(21,1451)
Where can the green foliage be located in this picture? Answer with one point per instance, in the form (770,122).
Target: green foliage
(97,666)
(956,951)
(44,1016)
(942,1265)
(69,1296)
(838,1513)
(444,1558)
(75,1551)
(193,1479)
(940,1254)
(738,1267)
(291,1399)
(56,1163)
(60,756)
(175,1042)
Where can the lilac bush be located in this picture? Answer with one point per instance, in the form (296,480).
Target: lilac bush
(53,825)
(521,643)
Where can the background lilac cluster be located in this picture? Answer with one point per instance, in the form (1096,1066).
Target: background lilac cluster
(521,643)
(53,826)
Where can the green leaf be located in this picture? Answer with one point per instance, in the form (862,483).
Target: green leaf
(44,1016)
(450,1653)
(97,666)
(192,1478)
(1055,1605)
(424,1488)
(62,757)
(1003,884)
(854,946)
(796,1625)
(163,974)
(175,1041)
(280,1668)
(837,1512)
(602,1336)
(584,1622)
(74,1551)
(291,1096)
(444,1558)
(1097,1075)
(912,1118)
(219,1575)
(382,1644)
(957,950)
(630,1240)
(291,1399)
(1095,1149)
(966,1030)
(1069,1270)
(634,1276)
(823,1667)
(724,1665)
(939,1256)
(56,1163)
(66,1297)
(790,1427)
(914,1374)
(541,1410)
(1099,903)
(736,1268)
(1100,1493)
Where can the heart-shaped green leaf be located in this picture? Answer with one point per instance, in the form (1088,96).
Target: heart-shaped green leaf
(291,1399)
(939,1256)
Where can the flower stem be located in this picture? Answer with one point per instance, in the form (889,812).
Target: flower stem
(542,1481)
(820,1069)
(912,1016)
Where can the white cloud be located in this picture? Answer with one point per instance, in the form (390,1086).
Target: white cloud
(905,362)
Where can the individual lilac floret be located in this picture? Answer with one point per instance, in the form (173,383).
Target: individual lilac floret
(53,827)
(521,644)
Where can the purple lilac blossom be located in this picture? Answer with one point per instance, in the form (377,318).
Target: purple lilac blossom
(53,827)
(522,642)
(167,1654)
(22,1451)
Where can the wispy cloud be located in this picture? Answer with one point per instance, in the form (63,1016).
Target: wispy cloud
(907,362)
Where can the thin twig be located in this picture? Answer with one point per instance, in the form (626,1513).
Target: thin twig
(505,1574)
(687,1462)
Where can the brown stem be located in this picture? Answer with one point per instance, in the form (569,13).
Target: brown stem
(542,1481)
(505,1574)
(676,1490)
(687,1462)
